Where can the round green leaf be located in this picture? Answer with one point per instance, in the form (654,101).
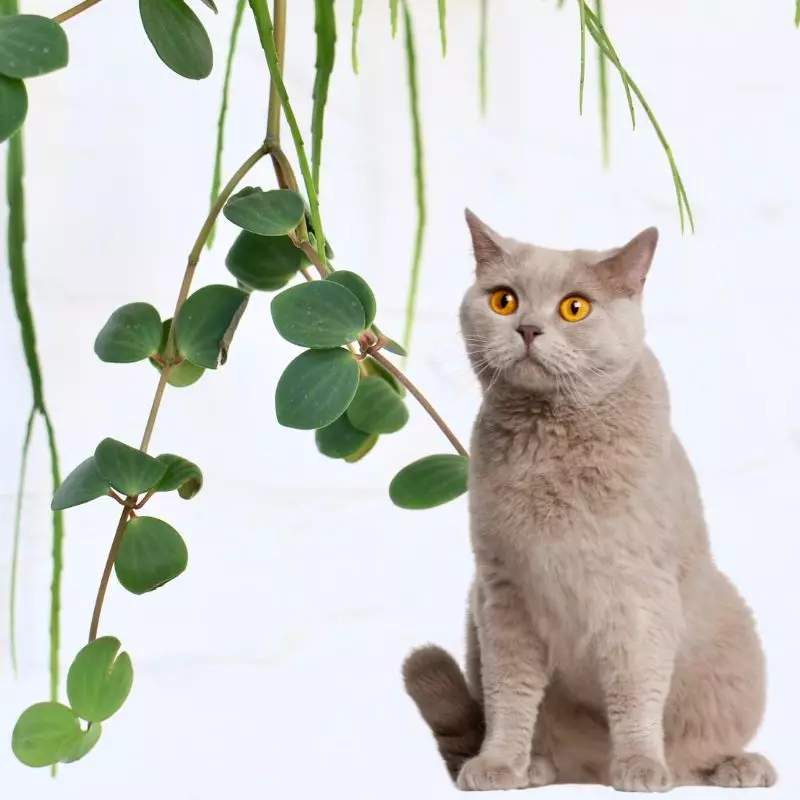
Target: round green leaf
(360,288)
(178,37)
(31,45)
(377,408)
(205,321)
(75,752)
(151,554)
(340,439)
(430,482)
(13,106)
(100,679)
(316,388)
(318,315)
(273,213)
(376,368)
(127,469)
(132,333)
(264,263)
(181,474)
(183,374)
(363,451)
(44,733)
(82,485)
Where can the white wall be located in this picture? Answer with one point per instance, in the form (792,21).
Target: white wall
(271,668)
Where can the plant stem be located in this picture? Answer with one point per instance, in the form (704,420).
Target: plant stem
(188,275)
(74,11)
(422,400)
(279,36)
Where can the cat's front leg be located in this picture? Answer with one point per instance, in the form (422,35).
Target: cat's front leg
(514,679)
(636,661)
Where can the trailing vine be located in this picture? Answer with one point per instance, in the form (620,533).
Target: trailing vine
(341,385)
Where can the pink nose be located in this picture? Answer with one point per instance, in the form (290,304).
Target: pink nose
(529,333)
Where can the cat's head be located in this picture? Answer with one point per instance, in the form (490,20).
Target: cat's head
(554,321)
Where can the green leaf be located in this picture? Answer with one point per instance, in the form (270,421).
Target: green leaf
(44,733)
(340,439)
(442,6)
(204,322)
(430,482)
(183,374)
(216,181)
(132,333)
(82,485)
(210,4)
(31,45)
(151,554)
(178,37)
(13,106)
(363,451)
(360,288)
(99,680)
(128,470)
(325,29)
(394,7)
(316,388)
(273,213)
(419,178)
(375,368)
(391,346)
(320,315)
(265,263)
(358,7)
(602,75)
(181,474)
(377,408)
(86,744)
(483,56)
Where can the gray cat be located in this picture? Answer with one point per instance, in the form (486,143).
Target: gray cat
(603,644)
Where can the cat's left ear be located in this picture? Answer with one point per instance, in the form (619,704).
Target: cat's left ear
(626,271)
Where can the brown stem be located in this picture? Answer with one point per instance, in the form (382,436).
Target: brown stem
(112,557)
(279,37)
(421,399)
(74,11)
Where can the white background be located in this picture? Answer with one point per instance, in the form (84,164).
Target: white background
(271,668)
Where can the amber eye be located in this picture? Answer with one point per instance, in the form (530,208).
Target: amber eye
(574,308)
(503,302)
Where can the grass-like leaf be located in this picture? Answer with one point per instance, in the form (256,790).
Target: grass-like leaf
(602,73)
(394,8)
(600,37)
(325,29)
(216,181)
(358,7)
(442,6)
(483,56)
(419,176)
(797,14)
(582,8)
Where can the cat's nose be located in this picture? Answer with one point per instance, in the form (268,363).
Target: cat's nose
(529,333)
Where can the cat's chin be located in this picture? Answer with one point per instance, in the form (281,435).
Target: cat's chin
(532,376)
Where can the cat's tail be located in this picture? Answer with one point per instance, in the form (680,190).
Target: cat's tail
(437,685)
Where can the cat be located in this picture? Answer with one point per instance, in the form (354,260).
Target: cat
(603,644)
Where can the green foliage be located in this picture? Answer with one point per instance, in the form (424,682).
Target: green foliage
(205,322)
(430,482)
(274,213)
(99,680)
(340,439)
(182,374)
(13,106)
(316,388)
(210,4)
(442,7)
(483,56)
(151,554)
(132,333)
(377,407)
(86,744)
(31,46)
(264,263)
(358,7)
(360,288)
(181,474)
(45,734)
(82,485)
(128,470)
(325,30)
(319,315)
(178,37)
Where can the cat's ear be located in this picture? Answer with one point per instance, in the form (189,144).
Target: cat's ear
(486,243)
(626,271)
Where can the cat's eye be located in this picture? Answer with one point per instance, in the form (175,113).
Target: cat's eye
(574,308)
(503,302)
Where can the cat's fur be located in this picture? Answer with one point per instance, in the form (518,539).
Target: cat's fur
(603,644)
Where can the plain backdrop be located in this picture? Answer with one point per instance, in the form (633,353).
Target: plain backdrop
(271,667)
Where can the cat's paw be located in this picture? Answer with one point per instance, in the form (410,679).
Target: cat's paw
(542,771)
(640,774)
(747,771)
(486,773)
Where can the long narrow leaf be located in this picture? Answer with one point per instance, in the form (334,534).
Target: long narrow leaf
(394,7)
(442,5)
(602,71)
(216,182)
(582,8)
(358,7)
(483,56)
(419,177)
(797,14)
(325,29)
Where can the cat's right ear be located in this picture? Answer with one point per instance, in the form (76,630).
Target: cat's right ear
(486,243)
